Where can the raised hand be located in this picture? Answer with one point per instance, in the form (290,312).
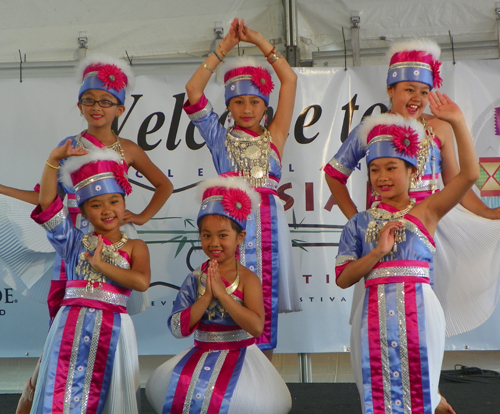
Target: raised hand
(232,38)
(65,151)
(444,108)
(248,35)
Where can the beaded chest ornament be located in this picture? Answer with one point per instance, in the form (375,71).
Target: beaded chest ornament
(109,255)
(250,156)
(374,226)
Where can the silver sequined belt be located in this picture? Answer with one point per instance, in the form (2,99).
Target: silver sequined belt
(108,299)
(226,336)
(398,271)
(271,184)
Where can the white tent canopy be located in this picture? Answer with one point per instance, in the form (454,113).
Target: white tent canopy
(46,34)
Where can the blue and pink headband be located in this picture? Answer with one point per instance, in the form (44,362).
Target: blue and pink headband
(105,73)
(391,136)
(248,79)
(416,60)
(229,197)
(96,173)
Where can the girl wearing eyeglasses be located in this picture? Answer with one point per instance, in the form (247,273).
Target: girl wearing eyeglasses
(101,99)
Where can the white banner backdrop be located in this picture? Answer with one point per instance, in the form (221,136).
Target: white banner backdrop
(36,114)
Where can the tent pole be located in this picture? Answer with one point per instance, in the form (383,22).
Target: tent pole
(356,48)
(292,48)
(497,12)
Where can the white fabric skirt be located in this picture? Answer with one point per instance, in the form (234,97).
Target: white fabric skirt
(467,269)
(260,388)
(434,331)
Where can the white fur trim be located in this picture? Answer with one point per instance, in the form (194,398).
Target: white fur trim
(426,45)
(230,182)
(388,119)
(240,62)
(75,163)
(95,58)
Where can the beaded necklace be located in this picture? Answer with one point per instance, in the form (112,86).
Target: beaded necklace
(115,146)
(374,227)
(423,156)
(249,155)
(109,255)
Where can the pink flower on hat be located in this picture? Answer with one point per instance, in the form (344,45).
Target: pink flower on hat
(437,80)
(121,177)
(112,77)
(262,79)
(236,203)
(405,140)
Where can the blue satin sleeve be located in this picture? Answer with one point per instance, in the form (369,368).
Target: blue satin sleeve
(350,245)
(214,135)
(184,300)
(350,153)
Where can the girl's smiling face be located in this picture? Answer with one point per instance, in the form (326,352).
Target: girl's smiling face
(409,99)
(105,212)
(390,177)
(247,111)
(97,116)
(219,239)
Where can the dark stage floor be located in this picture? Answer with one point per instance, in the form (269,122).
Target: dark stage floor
(328,398)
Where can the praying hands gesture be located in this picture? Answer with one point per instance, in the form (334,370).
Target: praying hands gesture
(214,280)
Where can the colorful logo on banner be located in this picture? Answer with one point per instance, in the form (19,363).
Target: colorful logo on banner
(489,169)
(489,176)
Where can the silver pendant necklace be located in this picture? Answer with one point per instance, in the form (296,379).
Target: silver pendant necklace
(374,226)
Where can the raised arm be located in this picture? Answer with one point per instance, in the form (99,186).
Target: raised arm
(431,210)
(48,182)
(450,168)
(28,196)
(163,186)
(280,125)
(196,85)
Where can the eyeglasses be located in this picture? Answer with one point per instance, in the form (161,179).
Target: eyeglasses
(103,103)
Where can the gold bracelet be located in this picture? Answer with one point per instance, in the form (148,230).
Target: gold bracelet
(223,54)
(208,68)
(51,166)
(273,57)
(273,50)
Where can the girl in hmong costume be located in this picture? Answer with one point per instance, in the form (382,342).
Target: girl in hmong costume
(104,81)
(221,302)
(397,337)
(90,363)
(468,230)
(254,152)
